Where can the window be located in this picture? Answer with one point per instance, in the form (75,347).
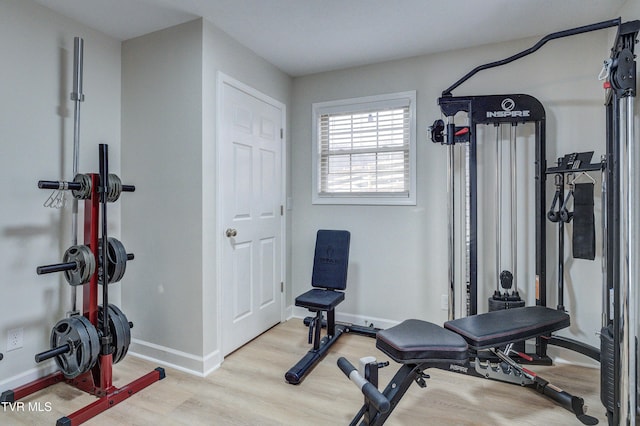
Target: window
(364,150)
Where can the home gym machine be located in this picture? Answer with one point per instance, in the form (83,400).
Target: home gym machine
(86,345)
(418,345)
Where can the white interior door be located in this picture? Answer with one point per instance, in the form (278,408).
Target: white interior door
(250,185)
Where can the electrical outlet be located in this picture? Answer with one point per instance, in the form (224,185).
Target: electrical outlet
(14,339)
(444,302)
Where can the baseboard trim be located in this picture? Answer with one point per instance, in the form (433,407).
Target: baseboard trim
(178,360)
(42,370)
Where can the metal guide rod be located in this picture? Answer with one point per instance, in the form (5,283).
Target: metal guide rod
(499,203)
(451,214)
(633,257)
(514,206)
(605,253)
(77,96)
(628,269)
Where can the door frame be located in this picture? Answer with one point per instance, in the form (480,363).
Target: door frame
(223,79)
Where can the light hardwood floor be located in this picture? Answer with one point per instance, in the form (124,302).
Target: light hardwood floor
(249,389)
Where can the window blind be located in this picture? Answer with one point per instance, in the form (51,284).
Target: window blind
(365,152)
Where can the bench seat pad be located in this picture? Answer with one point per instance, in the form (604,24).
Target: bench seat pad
(320,300)
(415,341)
(498,328)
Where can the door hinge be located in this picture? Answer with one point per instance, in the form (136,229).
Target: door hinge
(281,133)
(281,210)
(281,286)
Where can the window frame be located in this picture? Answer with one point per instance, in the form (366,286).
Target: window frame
(355,105)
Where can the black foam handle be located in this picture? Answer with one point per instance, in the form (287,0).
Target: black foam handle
(374,396)
(345,366)
(43,356)
(57,267)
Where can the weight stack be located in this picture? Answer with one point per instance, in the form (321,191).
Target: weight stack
(500,301)
(506,299)
(607,372)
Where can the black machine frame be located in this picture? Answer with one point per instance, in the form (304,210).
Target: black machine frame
(483,110)
(511,109)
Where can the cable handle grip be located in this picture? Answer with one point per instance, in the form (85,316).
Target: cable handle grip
(373,395)
(43,356)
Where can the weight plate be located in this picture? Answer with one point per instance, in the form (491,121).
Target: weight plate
(114,188)
(119,330)
(84,192)
(120,259)
(116,260)
(82,338)
(85,265)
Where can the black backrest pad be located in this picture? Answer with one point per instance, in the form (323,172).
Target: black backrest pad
(498,328)
(331,259)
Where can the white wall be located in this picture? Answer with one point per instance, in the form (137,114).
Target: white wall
(36,118)
(398,261)
(168,127)
(162,137)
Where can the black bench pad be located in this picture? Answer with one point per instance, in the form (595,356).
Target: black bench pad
(499,328)
(320,300)
(415,341)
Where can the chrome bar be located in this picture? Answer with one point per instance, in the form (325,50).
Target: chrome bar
(605,233)
(451,216)
(514,206)
(628,266)
(77,96)
(498,203)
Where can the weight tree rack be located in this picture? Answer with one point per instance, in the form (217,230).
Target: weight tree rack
(99,189)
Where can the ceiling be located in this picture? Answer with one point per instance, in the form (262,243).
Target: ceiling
(307,36)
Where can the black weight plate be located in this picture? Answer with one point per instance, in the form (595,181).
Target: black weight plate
(82,338)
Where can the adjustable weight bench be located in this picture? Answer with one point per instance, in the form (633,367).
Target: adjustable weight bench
(329,280)
(420,345)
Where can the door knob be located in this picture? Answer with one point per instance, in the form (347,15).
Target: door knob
(230,232)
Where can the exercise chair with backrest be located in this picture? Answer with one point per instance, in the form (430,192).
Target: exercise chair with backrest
(329,280)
